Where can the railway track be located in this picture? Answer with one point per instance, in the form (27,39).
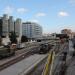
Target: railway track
(18,57)
(25,66)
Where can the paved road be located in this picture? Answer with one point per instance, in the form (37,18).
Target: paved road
(21,66)
(39,69)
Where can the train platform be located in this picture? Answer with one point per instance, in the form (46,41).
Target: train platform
(70,61)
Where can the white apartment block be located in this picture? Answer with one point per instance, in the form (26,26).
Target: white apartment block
(18,27)
(31,30)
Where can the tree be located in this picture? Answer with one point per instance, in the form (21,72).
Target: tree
(13,37)
(24,39)
(0,41)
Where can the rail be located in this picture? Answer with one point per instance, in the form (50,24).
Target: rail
(16,58)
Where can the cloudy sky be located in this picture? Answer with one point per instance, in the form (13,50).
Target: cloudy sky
(52,15)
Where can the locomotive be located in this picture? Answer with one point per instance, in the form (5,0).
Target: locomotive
(7,51)
(44,48)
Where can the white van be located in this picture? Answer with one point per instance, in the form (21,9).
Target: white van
(20,45)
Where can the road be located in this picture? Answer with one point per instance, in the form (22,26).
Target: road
(20,67)
(39,69)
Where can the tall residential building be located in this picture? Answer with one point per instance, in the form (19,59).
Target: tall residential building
(0,26)
(11,24)
(5,25)
(31,30)
(18,27)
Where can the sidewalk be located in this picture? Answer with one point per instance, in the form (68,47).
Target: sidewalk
(70,61)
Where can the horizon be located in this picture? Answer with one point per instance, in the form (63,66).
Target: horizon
(53,15)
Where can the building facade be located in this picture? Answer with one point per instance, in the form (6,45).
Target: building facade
(67,31)
(1,26)
(5,25)
(18,27)
(11,24)
(31,30)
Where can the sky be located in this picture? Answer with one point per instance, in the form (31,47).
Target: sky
(52,15)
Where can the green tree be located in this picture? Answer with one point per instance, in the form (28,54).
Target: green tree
(0,41)
(24,39)
(13,37)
